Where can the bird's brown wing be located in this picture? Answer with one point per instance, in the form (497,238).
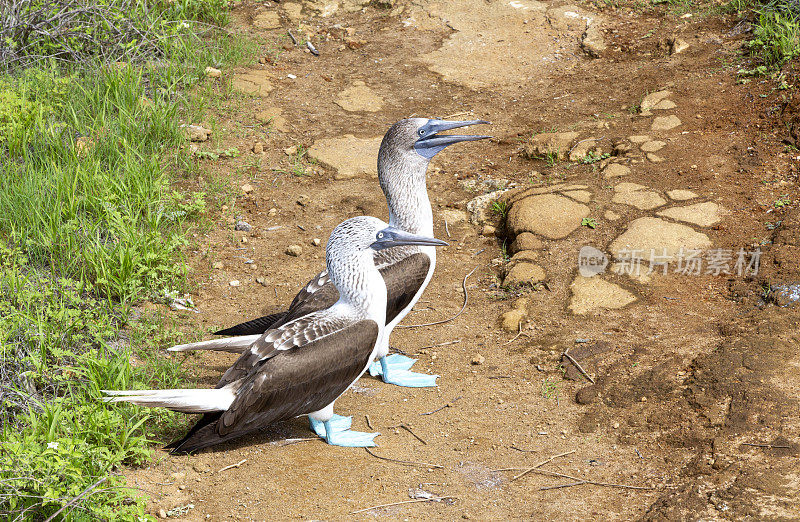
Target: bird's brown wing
(290,381)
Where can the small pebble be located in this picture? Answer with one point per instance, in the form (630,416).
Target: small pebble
(272,212)
(316,241)
(488,231)
(261,281)
(247,188)
(258,148)
(218,265)
(616,425)
(290,151)
(294,250)
(212,72)
(235,282)
(243,226)
(478,359)
(162,513)
(291,76)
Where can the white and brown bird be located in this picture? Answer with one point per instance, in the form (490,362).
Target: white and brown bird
(304,365)
(405,152)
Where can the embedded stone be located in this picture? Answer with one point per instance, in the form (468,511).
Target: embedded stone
(351,157)
(548,215)
(590,294)
(635,195)
(558,143)
(524,274)
(700,214)
(650,234)
(359,97)
(665,123)
(652,146)
(584,196)
(652,99)
(526,241)
(681,194)
(615,170)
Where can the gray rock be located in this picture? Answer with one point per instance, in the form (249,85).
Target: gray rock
(294,250)
(351,157)
(243,226)
(785,295)
(480,207)
(592,41)
(665,123)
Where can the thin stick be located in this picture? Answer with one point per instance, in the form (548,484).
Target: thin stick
(517,336)
(441,344)
(542,463)
(405,462)
(765,445)
(434,499)
(563,485)
(577,479)
(466,297)
(294,40)
(523,450)
(414,434)
(369,424)
(441,407)
(447,229)
(578,366)
(233,465)
(76,499)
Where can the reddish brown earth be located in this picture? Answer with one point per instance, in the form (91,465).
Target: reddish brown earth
(687,376)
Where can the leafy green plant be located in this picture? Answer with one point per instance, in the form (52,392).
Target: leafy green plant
(501,208)
(589,222)
(782,201)
(594,157)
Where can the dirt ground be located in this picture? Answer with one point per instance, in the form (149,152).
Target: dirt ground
(696,394)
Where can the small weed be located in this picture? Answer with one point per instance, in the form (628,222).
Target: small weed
(589,222)
(594,157)
(550,389)
(782,201)
(232,152)
(501,208)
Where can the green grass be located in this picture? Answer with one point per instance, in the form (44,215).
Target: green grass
(89,225)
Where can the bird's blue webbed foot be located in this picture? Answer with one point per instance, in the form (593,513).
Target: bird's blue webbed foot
(337,432)
(393,362)
(337,422)
(394,370)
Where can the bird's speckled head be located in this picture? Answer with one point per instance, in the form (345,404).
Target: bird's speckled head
(350,250)
(419,136)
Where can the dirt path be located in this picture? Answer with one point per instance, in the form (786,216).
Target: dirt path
(687,368)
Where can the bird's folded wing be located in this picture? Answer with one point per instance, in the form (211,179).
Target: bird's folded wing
(302,379)
(403,280)
(294,335)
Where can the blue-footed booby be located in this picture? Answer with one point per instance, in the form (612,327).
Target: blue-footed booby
(304,365)
(403,159)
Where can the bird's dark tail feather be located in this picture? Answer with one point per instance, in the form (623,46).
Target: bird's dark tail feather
(254,327)
(180,446)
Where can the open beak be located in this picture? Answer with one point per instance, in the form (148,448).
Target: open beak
(392,237)
(431,143)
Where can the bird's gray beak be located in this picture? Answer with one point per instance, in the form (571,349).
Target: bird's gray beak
(430,144)
(392,237)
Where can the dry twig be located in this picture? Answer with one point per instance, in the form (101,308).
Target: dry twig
(433,499)
(765,445)
(76,499)
(441,407)
(405,462)
(542,463)
(233,465)
(466,297)
(578,366)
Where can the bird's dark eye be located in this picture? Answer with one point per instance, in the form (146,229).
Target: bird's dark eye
(421,132)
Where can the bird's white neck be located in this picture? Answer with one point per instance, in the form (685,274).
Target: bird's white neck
(361,287)
(404,184)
